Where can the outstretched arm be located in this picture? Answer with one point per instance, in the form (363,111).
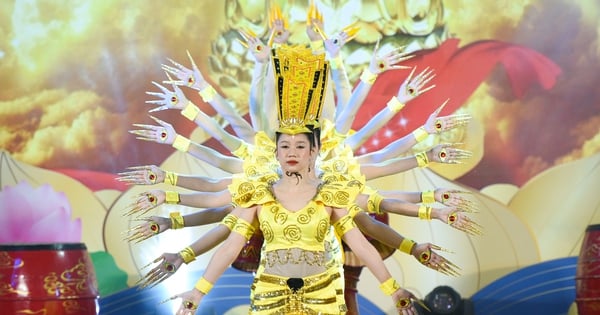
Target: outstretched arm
(149,200)
(165,133)
(152,174)
(193,78)
(220,261)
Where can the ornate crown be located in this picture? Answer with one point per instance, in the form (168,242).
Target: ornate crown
(301,80)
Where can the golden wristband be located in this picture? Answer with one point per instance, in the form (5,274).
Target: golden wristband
(420,134)
(374,202)
(336,62)
(389,286)
(424,212)
(208,94)
(176,220)
(406,246)
(172,197)
(181,143)
(368,77)
(203,286)
(422,159)
(171,178)
(229,221)
(188,255)
(394,105)
(428,196)
(190,111)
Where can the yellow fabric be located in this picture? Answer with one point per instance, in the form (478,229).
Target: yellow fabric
(374,202)
(320,295)
(344,224)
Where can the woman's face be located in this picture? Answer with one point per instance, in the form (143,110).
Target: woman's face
(294,152)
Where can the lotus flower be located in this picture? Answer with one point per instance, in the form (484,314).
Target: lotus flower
(36,215)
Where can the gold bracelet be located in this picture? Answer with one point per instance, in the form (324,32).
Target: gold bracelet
(176,220)
(406,246)
(203,286)
(171,178)
(190,111)
(428,196)
(229,221)
(188,255)
(181,143)
(208,94)
(172,197)
(422,159)
(368,77)
(425,212)
(374,202)
(389,286)
(394,105)
(420,134)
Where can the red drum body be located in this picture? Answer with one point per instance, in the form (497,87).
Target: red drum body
(587,277)
(49,279)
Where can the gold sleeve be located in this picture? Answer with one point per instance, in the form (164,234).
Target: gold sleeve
(243,228)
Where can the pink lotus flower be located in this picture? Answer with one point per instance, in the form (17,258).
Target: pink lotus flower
(36,215)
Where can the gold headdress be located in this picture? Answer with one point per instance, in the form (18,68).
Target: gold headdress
(301,80)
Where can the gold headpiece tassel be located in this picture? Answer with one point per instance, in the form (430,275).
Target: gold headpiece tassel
(301,79)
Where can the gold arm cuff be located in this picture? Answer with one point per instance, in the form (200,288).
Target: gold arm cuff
(368,76)
(243,228)
(422,159)
(344,224)
(389,286)
(424,212)
(188,255)
(203,286)
(172,197)
(229,221)
(420,134)
(428,196)
(171,178)
(374,202)
(406,246)
(208,94)
(190,111)
(395,105)
(176,220)
(181,143)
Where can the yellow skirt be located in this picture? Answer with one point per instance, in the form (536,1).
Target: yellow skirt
(319,294)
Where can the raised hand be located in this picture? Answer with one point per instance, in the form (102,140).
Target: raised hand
(458,219)
(278,25)
(165,133)
(258,49)
(150,227)
(334,44)
(185,77)
(142,175)
(424,253)
(415,86)
(455,198)
(435,124)
(146,201)
(389,61)
(168,264)
(168,99)
(448,154)
(314,23)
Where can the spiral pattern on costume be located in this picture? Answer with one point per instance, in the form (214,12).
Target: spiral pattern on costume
(267,231)
(303,218)
(341,197)
(292,233)
(322,229)
(280,217)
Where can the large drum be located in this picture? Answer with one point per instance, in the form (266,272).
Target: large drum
(49,279)
(587,278)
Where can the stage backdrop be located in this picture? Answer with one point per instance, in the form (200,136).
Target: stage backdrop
(74,77)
